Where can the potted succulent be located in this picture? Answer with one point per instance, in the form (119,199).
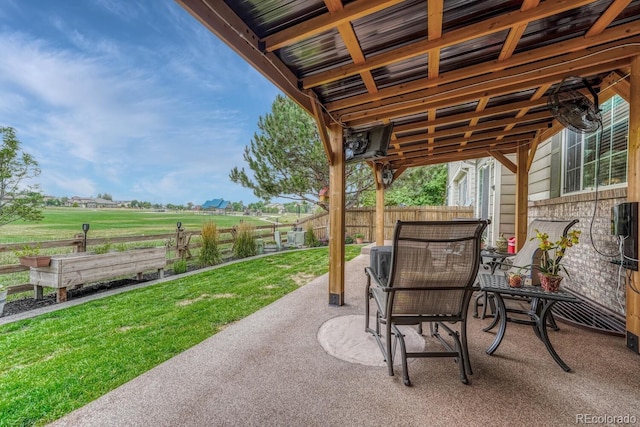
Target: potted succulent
(29,256)
(516,278)
(551,258)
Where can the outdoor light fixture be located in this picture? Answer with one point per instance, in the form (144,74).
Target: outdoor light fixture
(85,229)
(179,225)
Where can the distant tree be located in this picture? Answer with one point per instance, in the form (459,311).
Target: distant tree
(288,160)
(190,205)
(420,186)
(256,206)
(105,196)
(19,200)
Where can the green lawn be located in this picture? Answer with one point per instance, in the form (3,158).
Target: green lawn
(64,223)
(57,362)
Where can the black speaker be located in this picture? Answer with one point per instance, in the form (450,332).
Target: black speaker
(367,144)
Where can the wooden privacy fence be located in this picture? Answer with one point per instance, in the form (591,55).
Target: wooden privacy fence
(363,220)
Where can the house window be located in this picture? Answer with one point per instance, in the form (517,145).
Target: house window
(608,146)
(463,198)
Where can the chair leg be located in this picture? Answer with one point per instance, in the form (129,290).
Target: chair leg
(462,358)
(388,336)
(403,351)
(465,348)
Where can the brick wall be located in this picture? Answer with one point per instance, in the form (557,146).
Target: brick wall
(592,273)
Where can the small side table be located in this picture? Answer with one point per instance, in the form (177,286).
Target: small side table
(496,259)
(539,311)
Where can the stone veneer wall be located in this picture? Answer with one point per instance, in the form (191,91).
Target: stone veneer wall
(592,274)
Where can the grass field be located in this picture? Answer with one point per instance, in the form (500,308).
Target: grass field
(57,362)
(64,223)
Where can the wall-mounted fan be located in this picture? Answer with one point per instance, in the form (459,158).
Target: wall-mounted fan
(574,110)
(387,175)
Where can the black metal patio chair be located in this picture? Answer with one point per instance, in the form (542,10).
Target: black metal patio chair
(526,260)
(427,286)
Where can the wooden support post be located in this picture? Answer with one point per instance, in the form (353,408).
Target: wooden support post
(379,205)
(336,217)
(522,195)
(633,195)
(61,295)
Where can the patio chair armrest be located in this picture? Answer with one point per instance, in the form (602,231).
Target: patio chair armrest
(372,275)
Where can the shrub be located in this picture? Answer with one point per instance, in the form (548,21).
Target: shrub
(121,247)
(28,251)
(310,239)
(348,240)
(245,244)
(180,266)
(210,252)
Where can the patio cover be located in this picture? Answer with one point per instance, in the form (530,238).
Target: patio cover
(459,79)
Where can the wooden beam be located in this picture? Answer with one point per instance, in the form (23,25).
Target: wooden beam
(515,33)
(533,148)
(527,76)
(633,194)
(408,144)
(353,45)
(321,123)
(337,188)
(469,32)
(532,56)
(311,27)
(442,100)
(619,83)
(452,157)
(467,117)
(607,17)
(504,160)
(479,145)
(380,190)
(463,138)
(543,115)
(435,9)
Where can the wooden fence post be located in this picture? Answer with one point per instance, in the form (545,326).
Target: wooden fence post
(78,246)
(180,249)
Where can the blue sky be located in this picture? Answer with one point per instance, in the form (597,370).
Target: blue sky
(132,98)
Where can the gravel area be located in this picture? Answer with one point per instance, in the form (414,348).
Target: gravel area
(29,303)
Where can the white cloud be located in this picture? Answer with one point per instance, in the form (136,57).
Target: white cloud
(162,117)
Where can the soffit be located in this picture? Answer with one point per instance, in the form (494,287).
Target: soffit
(459,79)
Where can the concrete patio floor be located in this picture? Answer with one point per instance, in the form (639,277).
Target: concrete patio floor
(270,370)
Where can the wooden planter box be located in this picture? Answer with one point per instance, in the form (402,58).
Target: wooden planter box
(76,269)
(35,261)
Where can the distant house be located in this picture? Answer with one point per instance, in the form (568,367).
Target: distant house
(278,207)
(89,202)
(216,206)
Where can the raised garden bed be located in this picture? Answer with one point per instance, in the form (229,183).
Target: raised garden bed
(71,270)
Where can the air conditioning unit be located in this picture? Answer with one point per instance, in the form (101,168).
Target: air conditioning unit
(380,262)
(295,238)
